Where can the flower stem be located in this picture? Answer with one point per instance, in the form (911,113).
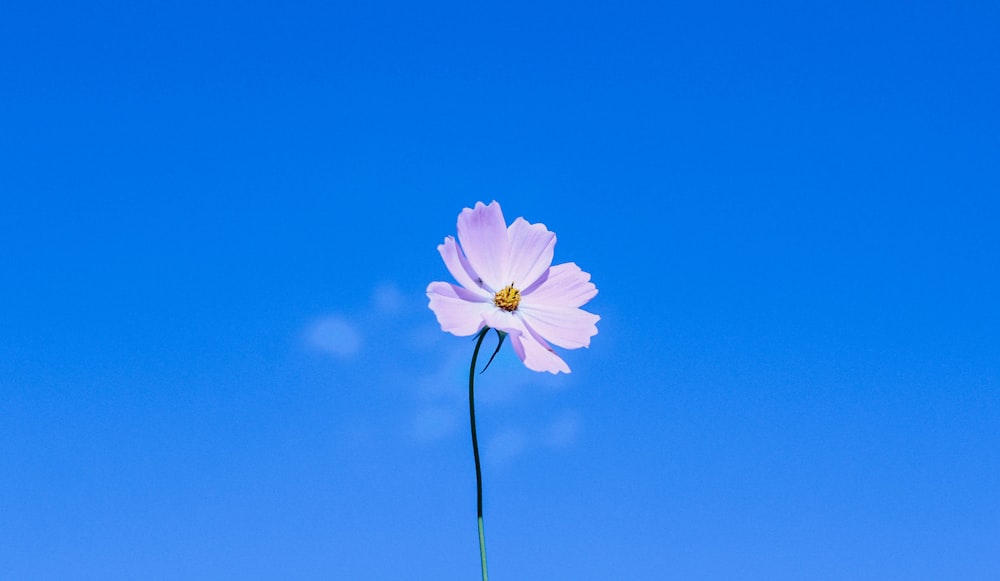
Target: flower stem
(475,451)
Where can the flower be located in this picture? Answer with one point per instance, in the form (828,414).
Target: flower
(507,282)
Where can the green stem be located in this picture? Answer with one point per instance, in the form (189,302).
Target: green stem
(475,451)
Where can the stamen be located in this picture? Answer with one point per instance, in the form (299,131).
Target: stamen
(507,298)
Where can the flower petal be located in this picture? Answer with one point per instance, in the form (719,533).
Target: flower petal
(483,235)
(459,267)
(537,355)
(459,311)
(567,327)
(565,285)
(531,249)
(533,351)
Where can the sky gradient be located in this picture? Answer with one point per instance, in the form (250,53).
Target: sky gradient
(218,223)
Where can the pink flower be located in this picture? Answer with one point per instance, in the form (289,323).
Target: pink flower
(508,283)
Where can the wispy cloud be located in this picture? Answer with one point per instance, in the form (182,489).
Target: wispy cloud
(564,431)
(440,397)
(506,445)
(513,441)
(388,299)
(396,326)
(336,335)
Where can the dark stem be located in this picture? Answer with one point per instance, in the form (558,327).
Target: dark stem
(475,449)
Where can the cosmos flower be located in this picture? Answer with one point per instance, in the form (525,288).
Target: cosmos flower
(507,282)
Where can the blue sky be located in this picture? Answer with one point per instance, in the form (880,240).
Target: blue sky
(218,222)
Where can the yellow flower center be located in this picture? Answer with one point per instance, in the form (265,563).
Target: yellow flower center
(507,298)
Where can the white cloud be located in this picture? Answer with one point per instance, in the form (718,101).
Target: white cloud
(564,431)
(335,335)
(506,446)
(388,299)
(434,366)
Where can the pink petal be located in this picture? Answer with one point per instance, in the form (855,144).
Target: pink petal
(564,286)
(505,321)
(567,327)
(459,267)
(536,354)
(483,235)
(531,248)
(459,311)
